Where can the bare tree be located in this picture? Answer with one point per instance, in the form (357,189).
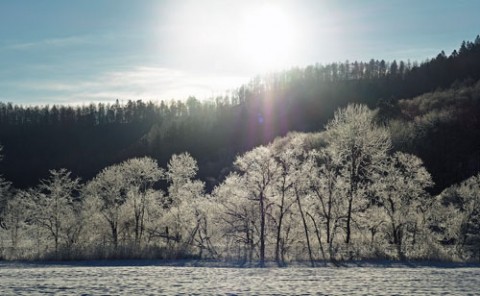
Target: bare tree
(258,172)
(17,213)
(186,218)
(181,169)
(288,153)
(54,204)
(5,194)
(358,146)
(458,217)
(106,194)
(328,187)
(400,189)
(237,217)
(139,175)
(123,193)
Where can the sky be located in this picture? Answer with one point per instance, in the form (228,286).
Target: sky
(78,52)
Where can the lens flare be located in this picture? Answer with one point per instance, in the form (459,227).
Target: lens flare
(267,37)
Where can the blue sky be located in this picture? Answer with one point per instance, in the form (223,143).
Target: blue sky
(77,52)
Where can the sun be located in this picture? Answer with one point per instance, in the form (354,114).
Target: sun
(267,38)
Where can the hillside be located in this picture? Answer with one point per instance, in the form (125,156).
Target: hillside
(439,126)
(443,129)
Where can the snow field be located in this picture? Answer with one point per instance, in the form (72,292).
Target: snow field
(166,280)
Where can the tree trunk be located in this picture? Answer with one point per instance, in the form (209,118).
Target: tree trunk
(137,229)
(279,231)
(319,237)
(262,230)
(327,213)
(56,233)
(113,227)
(349,218)
(277,245)
(398,238)
(351,193)
(305,227)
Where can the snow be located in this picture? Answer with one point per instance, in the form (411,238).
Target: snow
(34,279)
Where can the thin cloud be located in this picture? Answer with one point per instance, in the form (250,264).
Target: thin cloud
(147,83)
(50,42)
(161,83)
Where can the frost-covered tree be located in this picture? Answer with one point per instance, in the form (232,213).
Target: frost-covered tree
(139,176)
(5,194)
(292,188)
(186,218)
(329,189)
(181,169)
(286,152)
(55,204)
(17,218)
(292,194)
(357,145)
(237,217)
(206,210)
(124,196)
(302,189)
(400,189)
(461,204)
(258,173)
(106,194)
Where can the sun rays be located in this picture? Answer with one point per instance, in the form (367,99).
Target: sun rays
(267,36)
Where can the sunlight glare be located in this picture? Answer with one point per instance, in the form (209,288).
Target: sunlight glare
(267,38)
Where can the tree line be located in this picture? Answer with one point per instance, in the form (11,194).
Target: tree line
(373,80)
(340,194)
(88,138)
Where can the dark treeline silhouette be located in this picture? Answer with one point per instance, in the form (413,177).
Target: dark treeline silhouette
(87,138)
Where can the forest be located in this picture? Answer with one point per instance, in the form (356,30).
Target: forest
(346,161)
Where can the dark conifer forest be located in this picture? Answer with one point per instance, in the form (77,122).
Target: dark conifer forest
(419,124)
(86,138)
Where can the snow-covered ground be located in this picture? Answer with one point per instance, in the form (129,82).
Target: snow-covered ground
(27,279)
